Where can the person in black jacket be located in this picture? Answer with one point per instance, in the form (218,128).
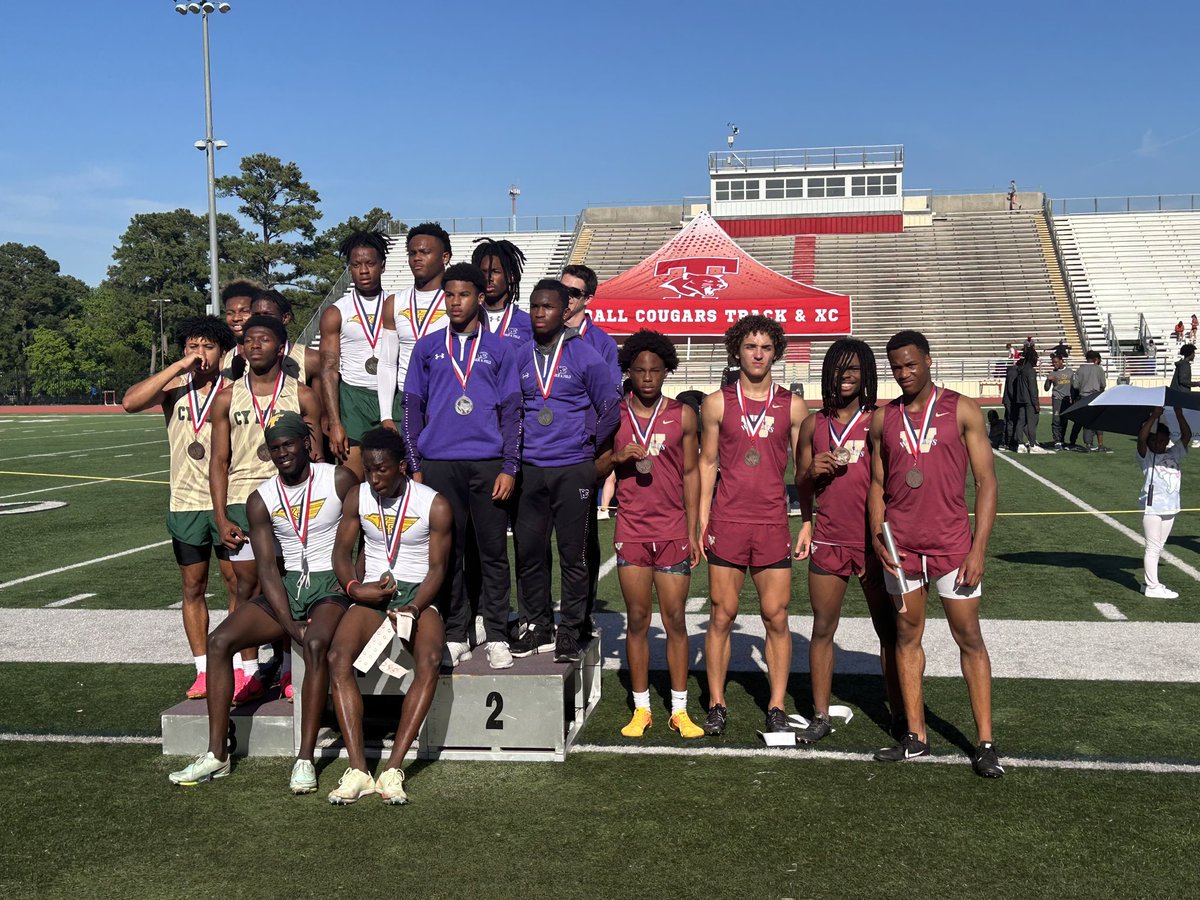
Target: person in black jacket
(1182,379)
(1027,404)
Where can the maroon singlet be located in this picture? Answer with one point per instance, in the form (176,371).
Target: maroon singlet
(841,516)
(753,495)
(651,505)
(931,519)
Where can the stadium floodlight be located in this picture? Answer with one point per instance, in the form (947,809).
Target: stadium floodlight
(209,146)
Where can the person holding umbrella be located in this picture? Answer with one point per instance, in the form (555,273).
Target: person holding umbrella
(1160,491)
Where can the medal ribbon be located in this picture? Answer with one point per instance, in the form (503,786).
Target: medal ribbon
(197,410)
(643,437)
(391,542)
(504,321)
(259,413)
(546,380)
(752,425)
(299,521)
(372,331)
(587,323)
(420,327)
(458,372)
(915,441)
(838,439)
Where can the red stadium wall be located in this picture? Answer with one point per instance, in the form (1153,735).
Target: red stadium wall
(740,228)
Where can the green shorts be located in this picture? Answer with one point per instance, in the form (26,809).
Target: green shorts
(320,586)
(193,535)
(236,513)
(359,410)
(406,592)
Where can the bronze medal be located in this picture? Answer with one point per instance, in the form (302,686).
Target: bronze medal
(842,456)
(195,450)
(644,465)
(753,457)
(545,415)
(463,405)
(913,478)
(263,453)
(372,365)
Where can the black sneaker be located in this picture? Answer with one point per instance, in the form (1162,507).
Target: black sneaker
(776,721)
(910,747)
(1104,449)
(534,640)
(715,723)
(819,727)
(566,649)
(986,762)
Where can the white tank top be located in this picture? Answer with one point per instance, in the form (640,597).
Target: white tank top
(356,348)
(324,513)
(430,309)
(412,559)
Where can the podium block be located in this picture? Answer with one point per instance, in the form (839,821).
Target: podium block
(263,728)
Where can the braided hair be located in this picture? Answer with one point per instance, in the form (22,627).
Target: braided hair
(512,261)
(839,355)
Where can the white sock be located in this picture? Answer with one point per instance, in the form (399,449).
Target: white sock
(641,699)
(201,663)
(237,664)
(287,661)
(678,701)
(250,667)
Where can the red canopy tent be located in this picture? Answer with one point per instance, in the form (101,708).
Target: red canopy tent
(700,282)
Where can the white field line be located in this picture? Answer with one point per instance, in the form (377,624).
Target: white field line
(121,455)
(77,484)
(80,565)
(86,449)
(1110,612)
(146,740)
(67,601)
(46,436)
(1092,765)
(694,604)
(607,566)
(1171,558)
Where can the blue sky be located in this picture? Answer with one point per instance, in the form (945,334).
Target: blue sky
(433,109)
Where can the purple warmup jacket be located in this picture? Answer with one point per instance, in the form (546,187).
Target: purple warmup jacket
(520,326)
(432,428)
(584,399)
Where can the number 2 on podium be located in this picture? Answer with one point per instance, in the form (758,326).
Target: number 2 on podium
(493,721)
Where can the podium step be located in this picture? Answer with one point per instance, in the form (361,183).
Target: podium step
(263,728)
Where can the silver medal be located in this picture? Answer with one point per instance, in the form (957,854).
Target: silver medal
(545,415)
(371,365)
(644,465)
(463,405)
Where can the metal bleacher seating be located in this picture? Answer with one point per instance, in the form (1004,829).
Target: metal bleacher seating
(613,248)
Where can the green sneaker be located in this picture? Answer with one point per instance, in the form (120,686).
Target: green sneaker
(353,785)
(391,787)
(304,777)
(201,769)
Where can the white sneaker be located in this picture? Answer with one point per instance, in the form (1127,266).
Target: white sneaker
(1035,448)
(1021,448)
(499,656)
(602,514)
(456,652)
(352,786)
(1195,443)
(478,633)
(304,777)
(205,767)
(390,787)
(1160,592)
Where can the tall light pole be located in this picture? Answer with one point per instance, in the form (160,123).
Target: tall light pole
(513,193)
(210,147)
(162,335)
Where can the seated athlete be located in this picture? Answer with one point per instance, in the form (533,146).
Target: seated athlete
(655,454)
(407,530)
(833,466)
(298,510)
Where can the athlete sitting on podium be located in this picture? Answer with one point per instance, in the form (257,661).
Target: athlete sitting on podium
(407,529)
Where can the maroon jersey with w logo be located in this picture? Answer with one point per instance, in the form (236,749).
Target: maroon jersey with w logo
(753,495)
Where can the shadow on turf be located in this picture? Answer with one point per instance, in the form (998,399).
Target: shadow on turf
(1109,566)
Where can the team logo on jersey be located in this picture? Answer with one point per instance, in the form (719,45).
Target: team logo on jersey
(433,316)
(484,357)
(370,320)
(857,448)
(409,521)
(584,493)
(930,440)
(314,507)
(657,442)
(696,277)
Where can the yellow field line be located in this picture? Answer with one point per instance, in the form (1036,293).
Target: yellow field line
(85,477)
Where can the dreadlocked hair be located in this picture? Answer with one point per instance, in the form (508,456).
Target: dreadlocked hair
(652,341)
(748,325)
(356,239)
(512,261)
(840,354)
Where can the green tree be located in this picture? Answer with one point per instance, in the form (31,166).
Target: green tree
(281,204)
(114,339)
(33,294)
(53,367)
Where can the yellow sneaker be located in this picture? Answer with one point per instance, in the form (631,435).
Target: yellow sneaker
(685,726)
(353,785)
(639,723)
(390,787)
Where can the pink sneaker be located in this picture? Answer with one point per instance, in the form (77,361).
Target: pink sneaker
(199,688)
(285,686)
(239,679)
(250,691)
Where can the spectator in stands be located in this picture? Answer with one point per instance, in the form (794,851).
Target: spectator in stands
(1028,345)
(1062,348)
(1178,333)
(1160,491)
(1027,404)
(1012,196)
(1011,353)
(1195,328)
(1087,382)
(1058,382)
